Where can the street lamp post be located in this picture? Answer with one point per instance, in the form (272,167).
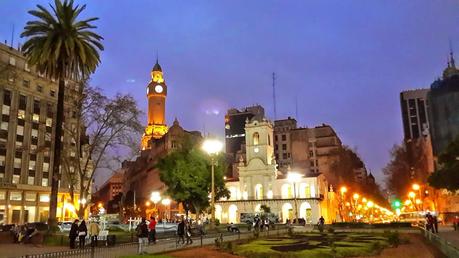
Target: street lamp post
(212,147)
(294,177)
(342,190)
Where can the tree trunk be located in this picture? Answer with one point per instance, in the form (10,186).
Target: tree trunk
(52,222)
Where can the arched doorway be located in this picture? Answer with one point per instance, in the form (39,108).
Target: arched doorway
(232,214)
(287,212)
(306,212)
(218,212)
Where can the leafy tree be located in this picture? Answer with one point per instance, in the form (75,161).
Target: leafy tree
(447,176)
(186,173)
(408,164)
(105,126)
(61,46)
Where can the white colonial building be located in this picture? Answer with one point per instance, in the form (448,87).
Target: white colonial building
(260,183)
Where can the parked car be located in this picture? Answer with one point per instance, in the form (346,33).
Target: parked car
(40,226)
(64,226)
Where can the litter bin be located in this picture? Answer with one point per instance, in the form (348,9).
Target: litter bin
(111,240)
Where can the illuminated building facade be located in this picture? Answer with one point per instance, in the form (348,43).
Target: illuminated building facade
(28,103)
(156,94)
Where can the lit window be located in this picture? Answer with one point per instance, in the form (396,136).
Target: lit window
(34,132)
(15,196)
(44,197)
(30,180)
(256,138)
(2,160)
(45,167)
(4,126)
(20,130)
(35,118)
(21,114)
(5,110)
(30,197)
(49,122)
(12,61)
(2,195)
(26,67)
(44,182)
(31,165)
(16,179)
(17,162)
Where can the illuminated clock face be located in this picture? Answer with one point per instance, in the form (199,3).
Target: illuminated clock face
(158,88)
(256,150)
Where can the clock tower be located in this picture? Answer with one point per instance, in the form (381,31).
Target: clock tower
(156,94)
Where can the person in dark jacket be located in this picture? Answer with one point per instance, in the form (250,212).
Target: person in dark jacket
(181,231)
(73,233)
(142,234)
(82,232)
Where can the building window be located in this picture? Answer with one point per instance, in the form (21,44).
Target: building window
(32,165)
(44,198)
(26,83)
(22,102)
(284,137)
(2,195)
(275,147)
(36,106)
(52,93)
(15,196)
(30,180)
(4,126)
(2,160)
(269,140)
(284,146)
(12,61)
(30,197)
(275,138)
(26,67)
(256,138)
(284,156)
(45,167)
(39,88)
(7,98)
(20,130)
(16,179)
(44,182)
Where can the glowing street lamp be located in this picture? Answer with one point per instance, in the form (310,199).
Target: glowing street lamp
(411,194)
(356,196)
(212,147)
(343,189)
(294,177)
(415,187)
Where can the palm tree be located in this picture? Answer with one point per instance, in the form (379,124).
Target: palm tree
(62,47)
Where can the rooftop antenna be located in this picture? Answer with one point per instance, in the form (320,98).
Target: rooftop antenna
(274,95)
(12,37)
(157,56)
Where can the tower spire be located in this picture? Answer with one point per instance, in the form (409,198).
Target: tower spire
(274,96)
(451,56)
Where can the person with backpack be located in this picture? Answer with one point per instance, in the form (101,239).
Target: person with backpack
(181,231)
(142,234)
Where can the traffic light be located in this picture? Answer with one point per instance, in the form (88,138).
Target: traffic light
(397,204)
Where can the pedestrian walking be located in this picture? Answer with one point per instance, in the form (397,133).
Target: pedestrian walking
(94,230)
(73,234)
(82,232)
(142,234)
(435,224)
(152,230)
(181,231)
(189,241)
(456,223)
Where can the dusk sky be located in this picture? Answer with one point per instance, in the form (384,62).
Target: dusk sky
(344,61)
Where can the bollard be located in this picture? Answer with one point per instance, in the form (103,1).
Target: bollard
(201,240)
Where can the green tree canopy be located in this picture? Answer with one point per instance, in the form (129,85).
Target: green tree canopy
(187,174)
(448,174)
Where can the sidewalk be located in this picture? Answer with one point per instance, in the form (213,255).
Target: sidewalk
(450,236)
(14,250)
